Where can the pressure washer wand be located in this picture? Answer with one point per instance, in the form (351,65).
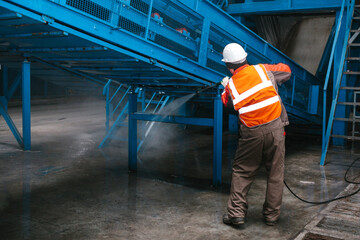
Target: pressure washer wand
(211,86)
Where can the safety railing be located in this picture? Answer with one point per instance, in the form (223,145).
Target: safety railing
(110,111)
(161,21)
(158,100)
(120,93)
(348,6)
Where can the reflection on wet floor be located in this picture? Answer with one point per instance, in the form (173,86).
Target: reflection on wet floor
(67,188)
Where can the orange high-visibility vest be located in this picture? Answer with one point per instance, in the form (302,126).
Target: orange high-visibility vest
(254,96)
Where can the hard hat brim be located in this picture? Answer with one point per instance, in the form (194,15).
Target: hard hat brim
(241,61)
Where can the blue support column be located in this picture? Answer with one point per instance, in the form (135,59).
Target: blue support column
(217,161)
(132,151)
(26,104)
(143,108)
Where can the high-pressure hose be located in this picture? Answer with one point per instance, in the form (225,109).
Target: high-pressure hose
(332,199)
(211,86)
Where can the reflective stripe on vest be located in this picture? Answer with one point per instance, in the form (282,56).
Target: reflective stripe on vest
(269,97)
(259,105)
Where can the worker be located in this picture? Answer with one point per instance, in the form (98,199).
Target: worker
(254,94)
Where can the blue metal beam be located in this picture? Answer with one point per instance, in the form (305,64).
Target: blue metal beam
(282,6)
(10,16)
(26,104)
(75,49)
(119,69)
(203,53)
(36,35)
(151,82)
(76,59)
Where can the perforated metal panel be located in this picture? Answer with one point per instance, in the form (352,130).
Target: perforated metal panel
(165,23)
(91,7)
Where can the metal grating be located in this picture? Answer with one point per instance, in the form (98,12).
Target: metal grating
(132,16)
(340,225)
(131,26)
(140,5)
(346,209)
(168,25)
(314,236)
(91,8)
(355,199)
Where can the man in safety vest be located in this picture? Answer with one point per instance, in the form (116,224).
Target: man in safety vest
(253,91)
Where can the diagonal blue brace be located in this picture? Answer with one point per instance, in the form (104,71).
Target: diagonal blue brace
(11,125)
(14,86)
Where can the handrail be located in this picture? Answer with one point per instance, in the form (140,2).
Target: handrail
(334,44)
(123,97)
(152,97)
(327,129)
(329,69)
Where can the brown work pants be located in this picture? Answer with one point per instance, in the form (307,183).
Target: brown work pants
(264,144)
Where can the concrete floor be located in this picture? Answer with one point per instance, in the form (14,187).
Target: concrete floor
(67,188)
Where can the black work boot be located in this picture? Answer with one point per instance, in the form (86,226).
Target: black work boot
(236,221)
(271,223)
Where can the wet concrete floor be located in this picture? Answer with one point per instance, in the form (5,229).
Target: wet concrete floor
(67,188)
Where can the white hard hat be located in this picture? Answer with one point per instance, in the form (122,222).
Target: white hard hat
(234,53)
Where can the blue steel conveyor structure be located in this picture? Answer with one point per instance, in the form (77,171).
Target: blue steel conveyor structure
(141,48)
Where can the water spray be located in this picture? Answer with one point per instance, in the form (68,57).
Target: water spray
(177,103)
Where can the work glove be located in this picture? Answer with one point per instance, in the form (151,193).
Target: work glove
(225,81)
